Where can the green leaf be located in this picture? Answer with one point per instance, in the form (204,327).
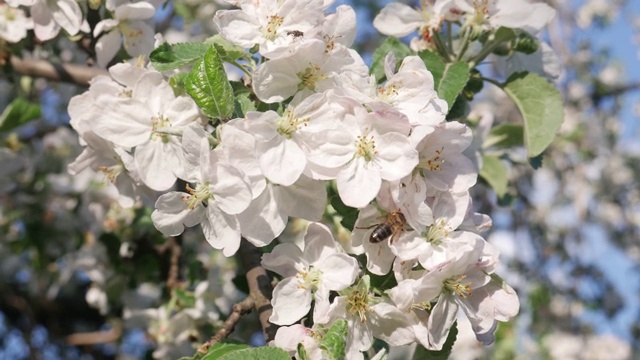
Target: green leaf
(334,341)
(262,353)
(449,78)
(349,214)
(423,354)
(454,79)
(227,51)
(391,44)
(243,105)
(172,56)
(18,112)
(434,64)
(495,173)
(505,135)
(302,352)
(460,109)
(208,85)
(540,104)
(220,349)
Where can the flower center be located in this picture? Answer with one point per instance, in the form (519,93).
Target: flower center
(455,285)
(132,36)
(9,13)
(308,278)
(112,172)
(434,162)
(437,232)
(386,93)
(310,77)
(358,304)
(270,31)
(366,147)
(158,124)
(200,195)
(289,124)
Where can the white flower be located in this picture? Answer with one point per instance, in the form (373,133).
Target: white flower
(365,149)
(310,273)
(14,24)
(370,316)
(442,162)
(270,24)
(309,69)
(521,14)
(400,20)
(463,282)
(440,241)
(147,119)
(272,204)
(113,162)
(220,193)
(281,141)
(128,22)
(50,16)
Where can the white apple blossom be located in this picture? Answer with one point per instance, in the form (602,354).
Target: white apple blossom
(442,162)
(410,90)
(365,149)
(51,16)
(272,204)
(309,274)
(399,20)
(281,140)
(273,25)
(521,14)
(309,69)
(441,240)
(462,282)
(148,120)
(128,23)
(370,316)
(114,162)
(14,23)
(220,193)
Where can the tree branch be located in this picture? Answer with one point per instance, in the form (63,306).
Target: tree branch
(260,289)
(239,309)
(71,73)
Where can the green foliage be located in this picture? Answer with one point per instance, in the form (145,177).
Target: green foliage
(220,349)
(349,214)
(334,341)
(391,44)
(460,109)
(541,106)
(18,112)
(227,51)
(505,136)
(172,56)
(262,353)
(383,282)
(208,85)
(449,78)
(424,354)
(495,173)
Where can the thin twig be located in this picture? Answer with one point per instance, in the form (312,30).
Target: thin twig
(260,288)
(242,308)
(71,73)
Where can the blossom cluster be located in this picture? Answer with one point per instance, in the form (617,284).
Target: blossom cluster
(386,145)
(129,24)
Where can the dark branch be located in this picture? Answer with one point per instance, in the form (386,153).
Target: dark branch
(260,289)
(71,73)
(242,308)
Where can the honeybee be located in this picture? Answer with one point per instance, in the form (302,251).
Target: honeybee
(391,228)
(295,33)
